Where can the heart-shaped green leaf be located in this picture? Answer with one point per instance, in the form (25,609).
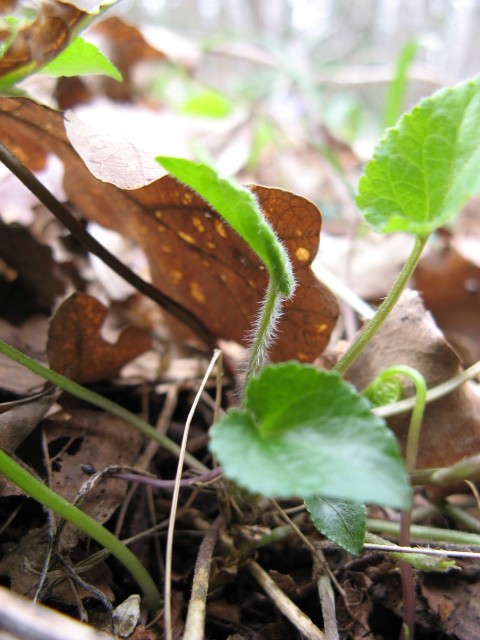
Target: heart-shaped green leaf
(427,166)
(342,521)
(306,432)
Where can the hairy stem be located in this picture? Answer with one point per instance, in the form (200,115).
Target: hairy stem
(384,309)
(51,500)
(264,331)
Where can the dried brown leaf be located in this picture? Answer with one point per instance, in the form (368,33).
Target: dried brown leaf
(193,257)
(76,348)
(94,438)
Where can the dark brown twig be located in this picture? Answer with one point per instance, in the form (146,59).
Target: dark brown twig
(91,245)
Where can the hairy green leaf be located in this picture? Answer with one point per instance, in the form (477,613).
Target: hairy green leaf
(427,166)
(241,210)
(306,432)
(81,58)
(342,521)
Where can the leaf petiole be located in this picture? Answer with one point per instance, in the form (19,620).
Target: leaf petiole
(384,309)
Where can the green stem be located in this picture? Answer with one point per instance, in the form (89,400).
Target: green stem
(51,500)
(99,401)
(462,517)
(264,330)
(418,408)
(419,532)
(384,309)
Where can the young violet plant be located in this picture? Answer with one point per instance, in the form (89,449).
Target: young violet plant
(305,432)
(299,431)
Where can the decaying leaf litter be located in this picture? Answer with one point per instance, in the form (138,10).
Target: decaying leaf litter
(198,275)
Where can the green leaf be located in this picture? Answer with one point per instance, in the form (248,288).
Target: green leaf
(398,86)
(81,58)
(207,104)
(427,166)
(342,521)
(306,432)
(241,210)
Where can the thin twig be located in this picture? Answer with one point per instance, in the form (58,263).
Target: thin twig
(91,245)
(327,600)
(290,610)
(171,525)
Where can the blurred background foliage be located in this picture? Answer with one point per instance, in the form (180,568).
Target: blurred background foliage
(342,54)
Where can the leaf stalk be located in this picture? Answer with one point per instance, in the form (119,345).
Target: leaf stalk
(384,309)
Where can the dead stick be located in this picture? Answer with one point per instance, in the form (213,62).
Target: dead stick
(290,610)
(195,623)
(61,212)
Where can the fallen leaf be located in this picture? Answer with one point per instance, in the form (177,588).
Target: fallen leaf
(22,565)
(451,426)
(14,377)
(454,598)
(76,348)
(449,281)
(193,256)
(98,439)
(126,48)
(34,265)
(21,418)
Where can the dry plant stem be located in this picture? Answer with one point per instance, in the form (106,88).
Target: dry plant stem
(20,619)
(384,309)
(290,610)
(99,401)
(317,553)
(93,246)
(465,470)
(424,551)
(327,600)
(195,622)
(167,612)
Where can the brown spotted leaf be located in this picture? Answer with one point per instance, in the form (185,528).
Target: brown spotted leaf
(76,348)
(193,256)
